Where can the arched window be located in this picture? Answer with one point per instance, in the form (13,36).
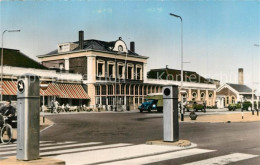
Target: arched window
(202,96)
(210,95)
(194,95)
(233,99)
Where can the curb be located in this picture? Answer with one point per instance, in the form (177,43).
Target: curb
(41,161)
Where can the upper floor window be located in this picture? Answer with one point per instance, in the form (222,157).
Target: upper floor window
(111,69)
(130,70)
(210,95)
(139,75)
(100,68)
(120,70)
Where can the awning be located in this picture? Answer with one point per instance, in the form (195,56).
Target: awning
(52,90)
(73,91)
(9,88)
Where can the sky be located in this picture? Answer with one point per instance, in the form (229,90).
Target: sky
(218,36)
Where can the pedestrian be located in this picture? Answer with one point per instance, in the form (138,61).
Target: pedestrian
(56,105)
(52,106)
(204,106)
(9,111)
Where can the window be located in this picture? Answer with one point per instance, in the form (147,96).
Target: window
(210,95)
(132,89)
(103,88)
(120,69)
(110,89)
(227,98)
(100,68)
(136,90)
(145,90)
(202,96)
(139,72)
(233,100)
(130,70)
(122,89)
(140,90)
(194,95)
(97,90)
(127,89)
(111,69)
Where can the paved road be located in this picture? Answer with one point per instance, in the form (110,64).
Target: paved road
(118,138)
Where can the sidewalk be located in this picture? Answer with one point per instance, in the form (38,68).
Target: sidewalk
(219,118)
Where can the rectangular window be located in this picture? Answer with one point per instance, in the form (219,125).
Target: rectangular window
(103,101)
(120,71)
(136,100)
(136,90)
(132,90)
(129,72)
(97,90)
(122,89)
(110,70)
(110,89)
(145,90)
(140,90)
(127,89)
(138,74)
(103,90)
(100,69)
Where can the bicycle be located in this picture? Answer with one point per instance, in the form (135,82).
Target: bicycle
(6,130)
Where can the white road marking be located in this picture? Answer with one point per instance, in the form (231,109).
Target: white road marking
(55,147)
(226,159)
(115,154)
(83,149)
(162,157)
(14,144)
(41,145)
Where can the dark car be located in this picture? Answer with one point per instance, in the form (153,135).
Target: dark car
(148,105)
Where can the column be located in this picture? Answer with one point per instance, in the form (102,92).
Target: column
(67,64)
(198,94)
(207,96)
(190,95)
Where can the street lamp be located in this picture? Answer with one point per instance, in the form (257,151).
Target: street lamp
(2,59)
(177,16)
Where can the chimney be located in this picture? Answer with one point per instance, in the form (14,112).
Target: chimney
(132,46)
(240,76)
(81,39)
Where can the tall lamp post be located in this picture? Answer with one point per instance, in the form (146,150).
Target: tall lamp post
(2,59)
(182,92)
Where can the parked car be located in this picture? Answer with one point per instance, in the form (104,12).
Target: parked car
(194,105)
(153,101)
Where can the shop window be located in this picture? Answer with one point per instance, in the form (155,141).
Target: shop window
(103,90)
(122,89)
(97,90)
(110,89)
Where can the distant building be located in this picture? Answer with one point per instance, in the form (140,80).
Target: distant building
(232,93)
(197,87)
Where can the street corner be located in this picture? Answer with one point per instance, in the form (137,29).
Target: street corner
(46,124)
(41,161)
(179,143)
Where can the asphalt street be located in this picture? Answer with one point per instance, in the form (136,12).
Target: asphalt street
(137,128)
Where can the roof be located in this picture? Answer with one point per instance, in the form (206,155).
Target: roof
(174,74)
(97,45)
(241,88)
(16,58)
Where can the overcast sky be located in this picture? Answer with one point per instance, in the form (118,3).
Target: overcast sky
(219,36)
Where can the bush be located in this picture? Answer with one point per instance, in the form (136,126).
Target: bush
(246,105)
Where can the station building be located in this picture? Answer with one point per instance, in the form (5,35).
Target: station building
(116,75)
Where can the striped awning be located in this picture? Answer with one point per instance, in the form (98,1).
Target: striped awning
(73,91)
(9,88)
(52,90)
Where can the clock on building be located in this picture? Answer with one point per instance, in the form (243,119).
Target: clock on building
(120,48)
